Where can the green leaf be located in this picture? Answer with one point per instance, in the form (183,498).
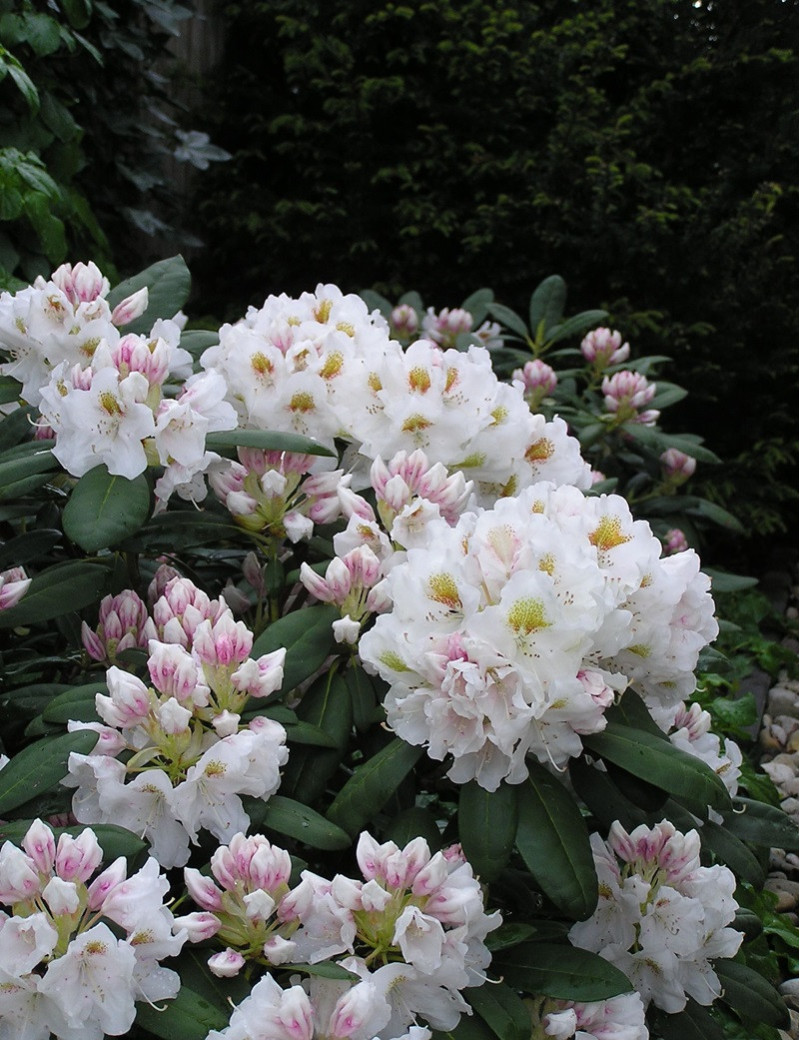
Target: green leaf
(182,530)
(304,733)
(693,1023)
(477,304)
(632,711)
(325,705)
(58,590)
(750,995)
(308,638)
(188,1017)
(196,341)
(508,318)
(553,840)
(376,302)
(40,767)
(26,470)
(502,1010)
(659,763)
(603,797)
(372,785)
(363,696)
(10,389)
(711,511)
(15,429)
(168,283)
(760,824)
(24,83)
(415,822)
(667,394)
(508,935)
(298,821)
(78,12)
(114,841)
(732,851)
(721,581)
(564,972)
(266,440)
(103,509)
(78,703)
(658,442)
(547,304)
(470,1027)
(575,326)
(32,545)
(487,825)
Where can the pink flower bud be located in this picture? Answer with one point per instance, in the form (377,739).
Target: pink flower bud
(130,308)
(40,845)
(678,467)
(224,642)
(227,964)
(675,541)
(602,347)
(625,393)
(173,670)
(78,858)
(14,583)
(404,321)
(262,677)
(61,896)
(200,926)
(202,889)
(81,283)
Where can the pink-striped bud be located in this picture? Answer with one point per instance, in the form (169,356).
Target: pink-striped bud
(131,308)
(14,583)
(81,283)
(227,964)
(129,701)
(199,926)
(675,541)
(40,845)
(173,670)
(404,321)
(677,466)
(260,677)
(223,643)
(625,393)
(538,380)
(202,889)
(78,858)
(602,347)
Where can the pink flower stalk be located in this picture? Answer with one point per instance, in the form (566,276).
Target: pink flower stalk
(539,380)
(677,466)
(602,348)
(14,583)
(124,624)
(675,541)
(625,393)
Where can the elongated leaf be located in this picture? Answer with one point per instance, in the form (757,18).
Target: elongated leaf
(575,326)
(658,442)
(188,1017)
(10,389)
(32,545)
(58,590)
(553,840)
(632,711)
(308,638)
(305,733)
(16,428)
(721,581)
(168,283)
(267,440)
(75,703)
(602,796)
(547,304)
(470,1027)
(508,318)
(182,530)
(376,302)
(298,821)
(761,824)
(487,826)
(197,341)
(731,851)
(502,1010)
(477,304)
(415,822)
(372,784)
(114,841)
(693,1023)
(327,706)
(750,995)
(363,695)
(103,509)
(565,972)
(22,471)
(324,970)
(667,394)
(40,767)
(657,761)
(508,935)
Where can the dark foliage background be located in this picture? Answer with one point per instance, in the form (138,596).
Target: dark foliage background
(646,152)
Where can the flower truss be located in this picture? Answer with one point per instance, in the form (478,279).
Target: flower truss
(409,935)
(174,757)
(80,945)
(662,917)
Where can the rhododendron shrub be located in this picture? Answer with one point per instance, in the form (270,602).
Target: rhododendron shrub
(349,695)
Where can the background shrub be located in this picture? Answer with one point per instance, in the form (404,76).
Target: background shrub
(644,151)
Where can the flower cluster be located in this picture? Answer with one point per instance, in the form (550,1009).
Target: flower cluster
(410,933)
(662,916)
(14,583)
(78,950)
(174,757)
(618,1018)
(510,632)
